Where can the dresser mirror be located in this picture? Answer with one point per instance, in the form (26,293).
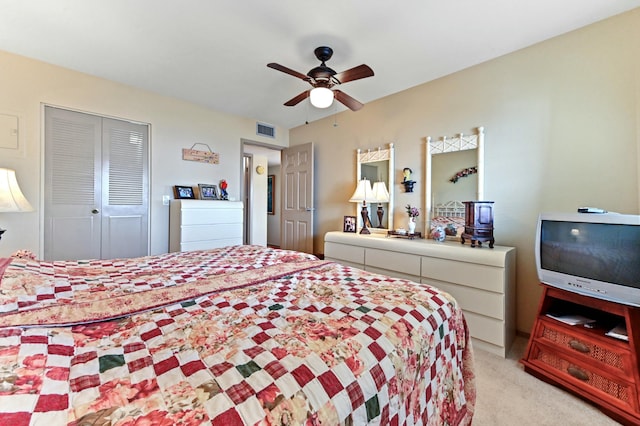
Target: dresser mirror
(377,166)
(454,173)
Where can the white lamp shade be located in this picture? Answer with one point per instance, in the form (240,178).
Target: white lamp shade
(363,192)
(321,97)
(380,193)
(11,198)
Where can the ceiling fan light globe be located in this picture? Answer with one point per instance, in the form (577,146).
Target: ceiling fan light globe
(321,97)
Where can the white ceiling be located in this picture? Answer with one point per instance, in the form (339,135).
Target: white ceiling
(214,52)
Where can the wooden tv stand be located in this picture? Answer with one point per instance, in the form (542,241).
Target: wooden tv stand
(585,361)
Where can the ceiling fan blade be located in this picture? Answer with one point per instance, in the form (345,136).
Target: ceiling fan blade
(355,73)
(295,101)
(287,71)
(347,100)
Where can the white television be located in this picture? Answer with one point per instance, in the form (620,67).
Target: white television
(594,254)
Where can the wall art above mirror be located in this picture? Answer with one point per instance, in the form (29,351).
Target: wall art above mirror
(454,173)
(378,167)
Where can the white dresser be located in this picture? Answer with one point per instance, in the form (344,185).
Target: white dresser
(481,279)
(204,224)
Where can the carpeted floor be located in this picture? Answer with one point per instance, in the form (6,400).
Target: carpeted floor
(509,396)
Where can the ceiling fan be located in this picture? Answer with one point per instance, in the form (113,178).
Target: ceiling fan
(323,78)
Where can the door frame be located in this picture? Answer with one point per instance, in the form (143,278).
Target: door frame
(243,182)
(41,200)
(247,195)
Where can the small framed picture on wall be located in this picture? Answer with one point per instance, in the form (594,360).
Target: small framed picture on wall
(271,181)
(349,224)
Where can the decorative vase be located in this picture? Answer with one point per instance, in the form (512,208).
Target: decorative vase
(411,225)
(438,234)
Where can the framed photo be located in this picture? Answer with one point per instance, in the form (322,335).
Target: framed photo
(271,180)
(349,224)
(183,192)
(208,192)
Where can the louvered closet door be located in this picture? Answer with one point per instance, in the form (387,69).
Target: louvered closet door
(125,198)
(96,187)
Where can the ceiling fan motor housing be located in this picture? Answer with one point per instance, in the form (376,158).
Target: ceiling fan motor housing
(322,73)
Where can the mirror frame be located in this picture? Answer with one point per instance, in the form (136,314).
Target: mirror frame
(445,145)
(380,154)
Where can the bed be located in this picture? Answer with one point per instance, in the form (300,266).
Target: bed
(241,335)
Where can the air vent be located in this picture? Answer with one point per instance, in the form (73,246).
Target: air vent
(265,130)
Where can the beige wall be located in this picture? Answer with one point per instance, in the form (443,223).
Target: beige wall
(27,84)
(562,124)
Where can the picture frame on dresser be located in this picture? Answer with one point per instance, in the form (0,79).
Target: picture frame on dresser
(349,224)
(208,192)
(184,192)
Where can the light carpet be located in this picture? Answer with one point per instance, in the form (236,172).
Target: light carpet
(506,395)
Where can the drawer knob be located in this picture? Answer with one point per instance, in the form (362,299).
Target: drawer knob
(579,346)
(578,373)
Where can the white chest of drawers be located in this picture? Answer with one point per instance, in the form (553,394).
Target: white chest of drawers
(481,279)
(204,224)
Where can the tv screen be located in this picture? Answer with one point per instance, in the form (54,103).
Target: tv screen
(606,252)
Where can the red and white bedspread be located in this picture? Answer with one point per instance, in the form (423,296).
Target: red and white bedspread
(235,336)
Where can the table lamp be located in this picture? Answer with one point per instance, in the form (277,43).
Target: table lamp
(363,193)
(381,195)
(11,198)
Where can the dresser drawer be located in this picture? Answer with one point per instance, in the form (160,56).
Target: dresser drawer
(213,215)
(470,274)
(394,274)
(393,261)
(210,244)
(352,254)
(585,376)
(345,262)
(486,329)
(194,233)
(474,300)
(606,357)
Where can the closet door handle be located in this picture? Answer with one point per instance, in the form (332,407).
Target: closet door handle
(95,211)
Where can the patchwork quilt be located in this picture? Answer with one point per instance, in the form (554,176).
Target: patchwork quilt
(243,335)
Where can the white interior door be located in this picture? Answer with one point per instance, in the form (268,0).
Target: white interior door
(96,187)
(297,198)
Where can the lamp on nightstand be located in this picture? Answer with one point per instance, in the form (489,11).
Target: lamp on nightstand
(11,198)
(362,194)
(381,195)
